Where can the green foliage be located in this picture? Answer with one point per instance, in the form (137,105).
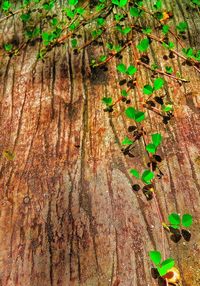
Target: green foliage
(176,221)
(107,100)
(127,141)
(135,173)
(8,47)
(182,27)
(158,84)
(6,5)
(165,29)
(120,3)
(129,71)
(137,115)
(147,176)
(143,45)
(164,266)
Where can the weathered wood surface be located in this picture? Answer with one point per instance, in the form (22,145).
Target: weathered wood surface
(68,215)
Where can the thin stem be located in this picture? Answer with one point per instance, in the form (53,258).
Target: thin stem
(163,73)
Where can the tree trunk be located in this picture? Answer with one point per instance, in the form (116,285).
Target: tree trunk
(68,215)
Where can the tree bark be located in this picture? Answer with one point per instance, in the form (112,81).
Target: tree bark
(68,215)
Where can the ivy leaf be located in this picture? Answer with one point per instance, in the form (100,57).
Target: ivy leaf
(124,92)
(107,100)
(167,107)
(130,112)
(182,26)
(143,45)
(74,43)
(158,83)
(102,58)
(100,21)
(165,29)
(169,70)
(148,89)
(25,17)
(126,30)
(122,3)
(147,31)
(121,68)
(139,116)
(73,2)
(187,220)
(135,173)
(131,70)
(157,139)
(158,4)
(155,257)
(8,47)
(169,46)
(135,12)
(147,176)
(151,148)
(174,220)
(127,141)
(165,266)
(6,5)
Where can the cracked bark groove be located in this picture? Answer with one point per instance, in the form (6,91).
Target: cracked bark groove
(67,212)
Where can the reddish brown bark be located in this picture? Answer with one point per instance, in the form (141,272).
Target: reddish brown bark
(68,215)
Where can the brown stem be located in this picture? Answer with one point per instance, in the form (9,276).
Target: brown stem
(163,73)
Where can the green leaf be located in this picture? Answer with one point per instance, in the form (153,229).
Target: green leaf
(54,21)
(25,17)
(127,141)
(151,148)
(122,3)
(169,70)
(156,139)
(8,47)
(165,29)
(158,4)
(143,45)
(126,30)
(148,89)
(135,173)
(121,68)
(169,46)
(147,176)
(174,220)
(158,83)
(167,107)
(135,12)
(139,116)
(74,43)
(131,70)
(102,58)
(124,92)
(80,10)
(130,112)
(73,2)
(6,5)
(100,21)
(166,265)
(119,17)
(155,257)
(187,220)
(147,31)
(182,26)
(107,100)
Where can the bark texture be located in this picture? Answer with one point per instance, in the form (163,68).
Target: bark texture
(68,215)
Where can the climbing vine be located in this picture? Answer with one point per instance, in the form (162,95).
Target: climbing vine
(41,24)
